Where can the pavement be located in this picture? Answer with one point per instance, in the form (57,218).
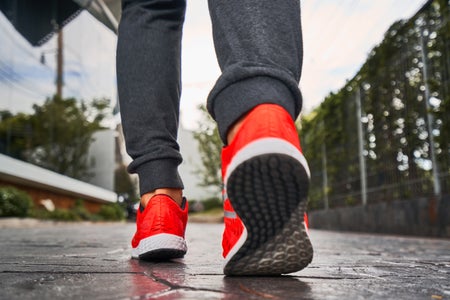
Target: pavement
(46,260)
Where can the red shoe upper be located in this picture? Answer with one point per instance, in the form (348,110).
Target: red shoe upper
(264,121)
(161,215)
(233,228)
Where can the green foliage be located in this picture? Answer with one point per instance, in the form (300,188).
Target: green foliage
(108,212)
(112,212)
(14,202)
(350,201)
(212,203)
(395,134)
(15,134)
(56,136)
(210,147)
(80,211)
(123,185)
(56,215)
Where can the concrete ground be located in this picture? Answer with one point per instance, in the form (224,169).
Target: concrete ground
(92,261)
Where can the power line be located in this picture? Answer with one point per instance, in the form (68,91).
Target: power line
(20,87)
(12,78)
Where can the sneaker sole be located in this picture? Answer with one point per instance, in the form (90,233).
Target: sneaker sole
(268,192)
(160,247)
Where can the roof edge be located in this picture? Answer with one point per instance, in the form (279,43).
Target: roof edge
(16,171)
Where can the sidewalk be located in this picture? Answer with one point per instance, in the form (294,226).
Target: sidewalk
(92,261)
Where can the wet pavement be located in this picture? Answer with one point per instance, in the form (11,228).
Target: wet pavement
(92,261)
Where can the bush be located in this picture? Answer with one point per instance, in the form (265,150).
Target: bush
(14,202)
(109,212)
(63,215)
(77,213)
(81,212)
(112,212)
(56,215)
(212,203)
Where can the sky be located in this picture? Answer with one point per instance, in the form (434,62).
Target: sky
(338,35)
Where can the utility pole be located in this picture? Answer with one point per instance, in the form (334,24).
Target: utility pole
(430,118)
(59,62)
(362,160)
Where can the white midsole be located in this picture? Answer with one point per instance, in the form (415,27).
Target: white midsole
(159,241)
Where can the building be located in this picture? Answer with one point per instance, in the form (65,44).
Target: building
(189,168)
(44,185)
(102,155)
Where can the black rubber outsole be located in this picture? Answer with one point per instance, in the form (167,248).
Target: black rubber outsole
(162,255)
(269,194)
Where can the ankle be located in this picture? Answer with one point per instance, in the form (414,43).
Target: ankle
(175,194)
(234,130)
(265,117)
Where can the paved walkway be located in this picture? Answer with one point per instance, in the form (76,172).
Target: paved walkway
(91,261)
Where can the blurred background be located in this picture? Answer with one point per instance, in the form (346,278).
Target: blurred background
(374,128)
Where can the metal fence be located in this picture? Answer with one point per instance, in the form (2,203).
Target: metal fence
(386,134)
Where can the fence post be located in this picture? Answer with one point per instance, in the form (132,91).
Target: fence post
(325,176)
(430,119)
(362,160)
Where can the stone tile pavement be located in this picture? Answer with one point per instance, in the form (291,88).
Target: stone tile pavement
(92,261)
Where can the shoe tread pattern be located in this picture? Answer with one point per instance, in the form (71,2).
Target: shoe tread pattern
(268,192)
(162,254)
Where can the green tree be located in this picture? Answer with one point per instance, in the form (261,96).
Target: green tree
(396,138)
(123,184)
(15,134)
(56,136)
(210,147)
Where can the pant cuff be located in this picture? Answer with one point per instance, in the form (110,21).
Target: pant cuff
(159,174)
(242,96)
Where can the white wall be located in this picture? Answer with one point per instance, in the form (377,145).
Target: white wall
(188,169)
(102,151)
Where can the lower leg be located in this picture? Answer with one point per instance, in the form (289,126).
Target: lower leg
(149,86)
(175,194)
(258,45)
(234,130)
(259,49)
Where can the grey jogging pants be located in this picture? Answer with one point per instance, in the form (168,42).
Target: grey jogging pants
(259,49)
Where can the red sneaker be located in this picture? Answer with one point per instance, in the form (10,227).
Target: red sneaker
(160,230)
(266,180)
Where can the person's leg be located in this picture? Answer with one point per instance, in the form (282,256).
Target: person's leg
(149,85)
(148,75)
(255,102)
(259,49)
